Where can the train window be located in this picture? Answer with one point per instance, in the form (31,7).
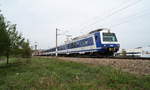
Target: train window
(86,42)
(81,43)
(77,44)
(73,45)
(90,41)
(67,46)
(109,37)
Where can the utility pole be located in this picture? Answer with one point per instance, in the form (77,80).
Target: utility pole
(56,43)
(56,53)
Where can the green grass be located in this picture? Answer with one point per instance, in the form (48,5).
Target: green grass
(53,74)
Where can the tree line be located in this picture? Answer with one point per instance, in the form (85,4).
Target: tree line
(12,43)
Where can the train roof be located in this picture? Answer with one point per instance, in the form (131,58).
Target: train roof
(98,30)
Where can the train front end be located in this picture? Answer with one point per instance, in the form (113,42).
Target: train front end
(106,42)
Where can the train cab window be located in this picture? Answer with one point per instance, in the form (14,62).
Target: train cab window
(109,37)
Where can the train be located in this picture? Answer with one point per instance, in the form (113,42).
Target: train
(100,42)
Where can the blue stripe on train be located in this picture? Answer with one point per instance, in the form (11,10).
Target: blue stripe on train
(102,50)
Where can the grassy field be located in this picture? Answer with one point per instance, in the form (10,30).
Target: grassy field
(53,74)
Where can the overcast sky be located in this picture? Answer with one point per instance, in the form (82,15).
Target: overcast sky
(38,19)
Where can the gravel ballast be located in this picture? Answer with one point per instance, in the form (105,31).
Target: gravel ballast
(140,67)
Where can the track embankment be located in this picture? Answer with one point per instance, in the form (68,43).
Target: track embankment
(140,67)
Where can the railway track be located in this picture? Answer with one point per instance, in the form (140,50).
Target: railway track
(133,58)
(129,58)
(95,57)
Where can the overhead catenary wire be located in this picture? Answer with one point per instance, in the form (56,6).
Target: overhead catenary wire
(84,25)
(135,15)
(95,18)
(128,21)
(114,13)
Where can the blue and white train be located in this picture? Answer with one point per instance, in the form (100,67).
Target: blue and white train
(98,42)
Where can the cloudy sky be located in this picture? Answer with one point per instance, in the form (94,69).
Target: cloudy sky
(38,19)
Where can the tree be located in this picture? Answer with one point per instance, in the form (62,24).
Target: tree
(15,40)
(4,37)
(12,42)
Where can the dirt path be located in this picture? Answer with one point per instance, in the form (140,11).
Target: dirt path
(140,67)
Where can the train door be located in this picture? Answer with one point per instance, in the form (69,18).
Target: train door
(97,39)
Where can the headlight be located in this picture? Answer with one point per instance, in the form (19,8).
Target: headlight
(111,45)
(118,45)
